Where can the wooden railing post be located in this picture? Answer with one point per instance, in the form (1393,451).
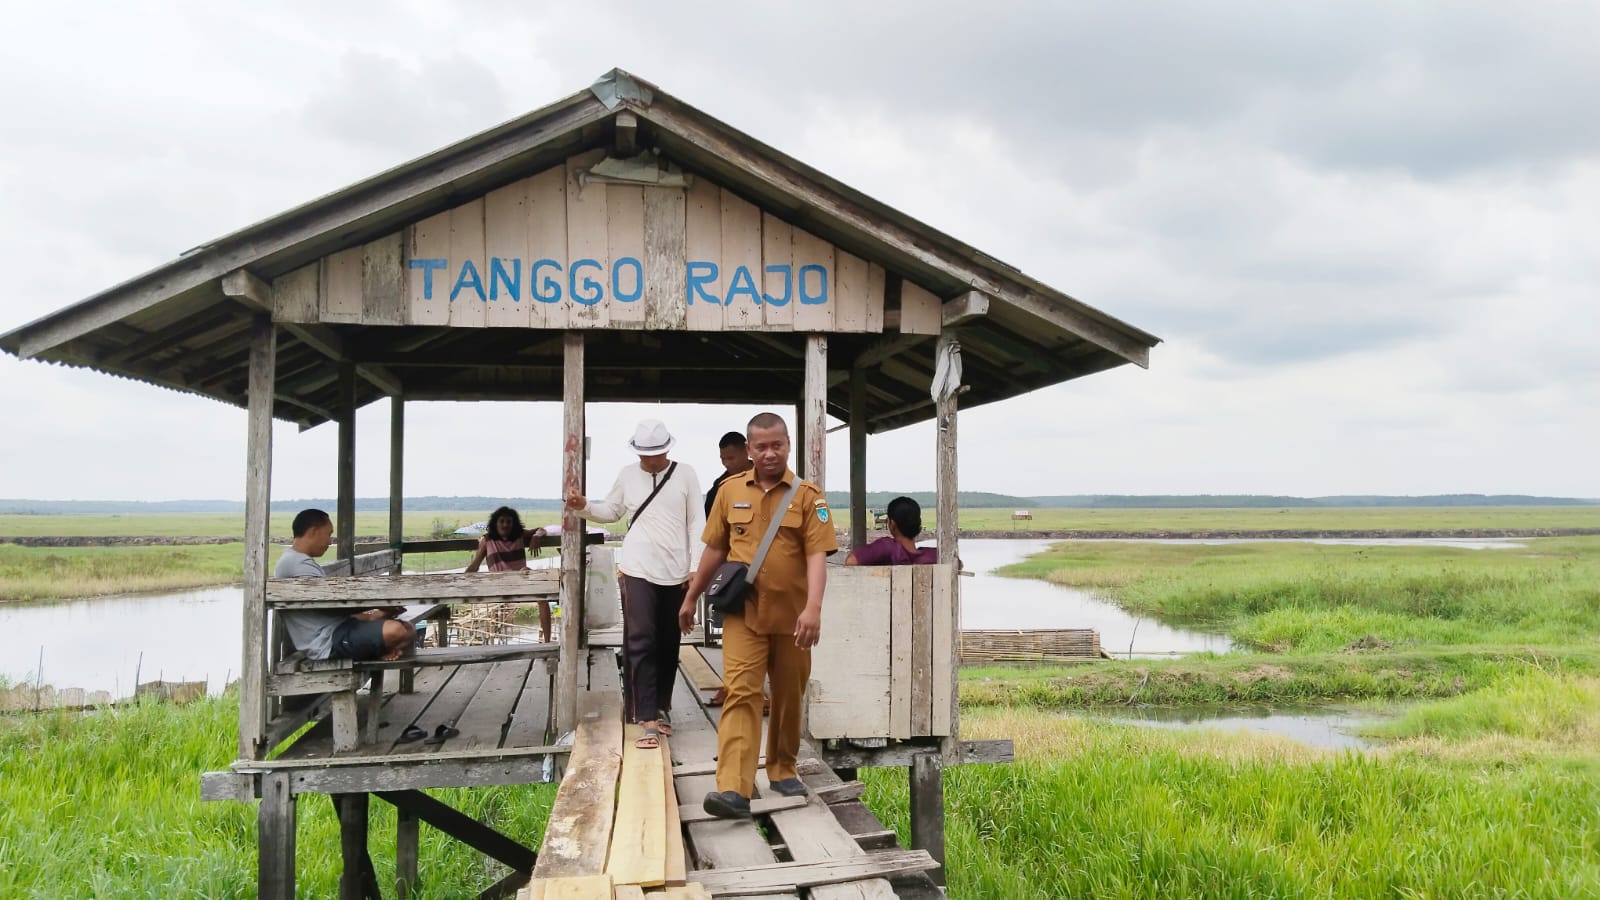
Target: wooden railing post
(572,531)
(257,532)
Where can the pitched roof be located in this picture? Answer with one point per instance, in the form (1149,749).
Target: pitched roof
(177,327)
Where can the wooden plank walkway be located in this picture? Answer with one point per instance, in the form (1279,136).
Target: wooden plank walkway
(827,845)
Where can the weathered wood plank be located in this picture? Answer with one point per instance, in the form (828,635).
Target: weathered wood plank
(677,860)
(664,256)
(853,282)
(777,281)
(428,290)
(948,525)
(547,240)
(741,262)
(467,296)
(900,653)
(418,773)
(638,853)
(877,280)
(365,591)
(572,529)
(815,291)
(920,311)
(946,664)
(258,489)
(966,753)
(703,245)
(579,887)
(275,835)
(815,426)
(882,864)
(589,257)
(406,834)
(854,699)
(296,295)
(858,457)
(625,248)
(447,706)
(484,721)
(577,837)
(927,808)
(530,721)
(690,813)
(507,260)
(812,834)
(383,281)
(341,286)
(921,650)
(344,517)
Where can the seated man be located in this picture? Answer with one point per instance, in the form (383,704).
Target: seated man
(900,547)
(374,634)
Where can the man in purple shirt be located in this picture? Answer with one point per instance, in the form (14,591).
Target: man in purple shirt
(900,547)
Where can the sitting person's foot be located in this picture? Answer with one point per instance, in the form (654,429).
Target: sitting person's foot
(790,787)
(727,805)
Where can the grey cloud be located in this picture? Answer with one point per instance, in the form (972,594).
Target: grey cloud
(379,101)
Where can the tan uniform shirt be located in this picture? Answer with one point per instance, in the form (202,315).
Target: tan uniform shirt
(739,520)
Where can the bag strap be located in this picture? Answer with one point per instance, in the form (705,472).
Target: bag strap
(772,532)
(659,485)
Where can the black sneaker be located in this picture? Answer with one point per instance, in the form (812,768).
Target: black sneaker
(727,805)
(790,787)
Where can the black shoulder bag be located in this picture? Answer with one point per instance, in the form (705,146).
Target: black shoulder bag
(731,584)
(659,485)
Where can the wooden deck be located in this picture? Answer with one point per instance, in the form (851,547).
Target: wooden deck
(827,846)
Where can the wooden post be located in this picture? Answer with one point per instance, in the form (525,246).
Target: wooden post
(357,881)
(405,853)
(344,526)
(949,526)
(397,465)
(815,413)
(275,827)
(257,532)
(927,809)
(858,457)
(572,530)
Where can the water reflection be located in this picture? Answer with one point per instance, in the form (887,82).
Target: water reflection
(1329,728)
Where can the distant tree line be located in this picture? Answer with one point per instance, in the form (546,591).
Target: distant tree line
(838,499)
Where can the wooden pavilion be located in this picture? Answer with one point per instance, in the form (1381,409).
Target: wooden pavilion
(615,245)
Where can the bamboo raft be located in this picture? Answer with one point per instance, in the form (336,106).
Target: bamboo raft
(994,647)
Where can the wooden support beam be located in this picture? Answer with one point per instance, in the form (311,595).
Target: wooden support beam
(927,809)
(255,294)
(887,347)
(357,880)
(949,528)
(627,143)
(572,530)
(344,526)
(275,833)
(970,305)
(858,457)
(463,828)
(815,415)
(405,853)
(258,492)
(397,460)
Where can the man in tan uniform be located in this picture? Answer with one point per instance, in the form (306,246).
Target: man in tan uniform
(782,618)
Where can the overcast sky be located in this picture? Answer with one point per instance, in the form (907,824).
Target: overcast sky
(1369,234)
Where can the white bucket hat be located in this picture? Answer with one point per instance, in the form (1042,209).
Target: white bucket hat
(651,438)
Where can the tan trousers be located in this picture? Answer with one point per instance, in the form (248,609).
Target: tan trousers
(748,659)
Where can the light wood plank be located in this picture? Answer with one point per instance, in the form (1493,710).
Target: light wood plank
(945,661)
(920,311)
(703,243)
(638,836)
(664,255)
(900,653)
(697,670)
(741,261)
(921,650)
(853,281)
(624,242)
(877,279)
(690,813)
(341,286)
(506,262)
(382,590)
(547,240)
(586,240)
(815,291)
(295,295)
(580,887)
(468,298)
(853,698)
(879,864)
(428,289)
(695,891)
(628,892)
(677,860)
(777,277)
(577,837)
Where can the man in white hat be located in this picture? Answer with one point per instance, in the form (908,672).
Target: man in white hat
(662,498)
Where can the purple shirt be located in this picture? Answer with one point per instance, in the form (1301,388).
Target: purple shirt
(886,551)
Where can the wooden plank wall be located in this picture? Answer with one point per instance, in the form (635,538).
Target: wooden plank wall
(634,248)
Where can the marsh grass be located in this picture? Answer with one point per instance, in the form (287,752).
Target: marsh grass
(58,573)
(107,804)
(1104,810)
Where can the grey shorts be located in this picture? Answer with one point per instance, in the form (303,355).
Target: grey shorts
(355,639)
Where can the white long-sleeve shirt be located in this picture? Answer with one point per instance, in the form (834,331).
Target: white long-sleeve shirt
(660,547)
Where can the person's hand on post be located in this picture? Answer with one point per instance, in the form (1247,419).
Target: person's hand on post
(576,501)
(808,628)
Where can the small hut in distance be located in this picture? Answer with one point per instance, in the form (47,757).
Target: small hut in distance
(616,245)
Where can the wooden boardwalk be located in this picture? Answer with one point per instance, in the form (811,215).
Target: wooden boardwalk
(655,842)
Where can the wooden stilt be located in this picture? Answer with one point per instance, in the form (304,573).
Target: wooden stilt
(352,844)
(405,853)
(344,526)
(950,552)
(927,809)
(572,529)
(815,411)
(258,490)
(275,825)
(858,458)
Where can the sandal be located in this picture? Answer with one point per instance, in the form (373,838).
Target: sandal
(650,740)
(664,722)
(411,735)
(441,734)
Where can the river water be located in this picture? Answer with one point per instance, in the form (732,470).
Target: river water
(107,643)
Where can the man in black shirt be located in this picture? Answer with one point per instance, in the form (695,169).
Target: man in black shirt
(735,459)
